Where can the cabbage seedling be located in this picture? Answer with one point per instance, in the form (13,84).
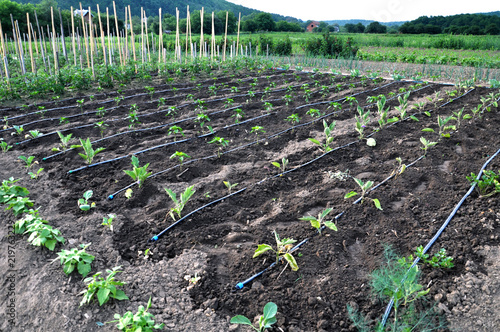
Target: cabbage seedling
(75,258)
(83,203)
(35,176)
(5,147)
(365,186)
(35,133)
(320,220)
(108,221)
(283,248)
(90,153)
(139,174)
(179,204)
(265,321)
(29,161)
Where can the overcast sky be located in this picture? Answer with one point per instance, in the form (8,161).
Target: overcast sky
(377,10)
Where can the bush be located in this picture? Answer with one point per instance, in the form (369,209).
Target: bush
(331,47)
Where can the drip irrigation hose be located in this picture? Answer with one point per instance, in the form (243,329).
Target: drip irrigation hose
(438,233)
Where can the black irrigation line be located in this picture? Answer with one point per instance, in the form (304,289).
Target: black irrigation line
(110,197)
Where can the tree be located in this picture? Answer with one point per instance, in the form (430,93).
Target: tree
(375,27)
(492,29)
(265,22)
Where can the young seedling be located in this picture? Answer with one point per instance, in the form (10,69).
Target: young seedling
(108,221)
(293,119)
(35,176)
(103,288)
(403,105)
(362,121)
(351,101)
(268,106)
(179,204)
(230,185)
(19,130)
(314,113)
(228,103)
(150,90)
(30,216)
(83,203)
(132,116)
(171,111)
(180,156)
(5,147)
(488,185)
(201,118)
(221,142)
(282,166)
(426,144)
(442,126)
(90,153)
(282,250)
(460,116)
(320,220)
(257,130)
(238,115)
(142,320)
(102,127)
(174,130)
(364,186)
(101,111)
(29,161)
(200,105)
(328,131)
(64,142)
(80,103)
(161,102)
(383,113)
(128,193)
(75,258)
(138,174)
(35,134)
(325,91)
(288,99)
(265,321)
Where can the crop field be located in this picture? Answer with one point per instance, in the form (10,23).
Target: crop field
(195,181)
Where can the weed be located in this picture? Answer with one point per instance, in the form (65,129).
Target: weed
(142,320)
(488,185)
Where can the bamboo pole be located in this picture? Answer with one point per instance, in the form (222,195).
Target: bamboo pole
(225,38)
(42,41)
(125,33)
(29,43)
(238,38)
(201,32)
(91,33)
(109,37)
(187,24)
(177,37)
(19,46)
(62,36)
(34,39)
(73,34)
(147,37)
(142,35)
(4,54)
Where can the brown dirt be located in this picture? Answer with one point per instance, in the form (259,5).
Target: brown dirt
(218,241)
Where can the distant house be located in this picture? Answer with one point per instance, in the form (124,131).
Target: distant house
(312,25)
(86,14)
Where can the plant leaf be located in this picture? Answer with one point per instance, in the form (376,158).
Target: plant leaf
(430,130)
(351,194)
(377,204)
(239,319)
(291,260)
(103,295)
(331,225)
(262,248)
(270,310)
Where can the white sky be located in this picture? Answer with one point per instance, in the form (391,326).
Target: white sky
(377,10)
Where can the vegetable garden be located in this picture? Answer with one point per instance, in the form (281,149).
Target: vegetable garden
(211,198)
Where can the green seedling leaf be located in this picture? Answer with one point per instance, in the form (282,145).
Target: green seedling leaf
(351,194)
(291,260)
(430,130)
(262,248)
(377,204)
(239,319)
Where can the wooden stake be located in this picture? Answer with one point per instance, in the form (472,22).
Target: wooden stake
(109,37)
(4,54)
(85,36)
(73,34)
(103,43)
(118,34)
(212,42)
(147,38)
(132,36)
(160,42)
(42,41)
(62,36)
(29,43)
(142,35)
(187,24)
(201,33)
(238,38)
(91,25)
(56,65)
(225,38)
(125,52)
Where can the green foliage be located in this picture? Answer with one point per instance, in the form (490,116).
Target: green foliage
(265,321)
(108,221)
(179,204)
(438,260)
(443,128)
(19,205)
(10,192)
(362,120)
(320,220)
(83,203)
(180,156)
(90,153)
(139,174)
(76,258)
(364,186)
(283,250)
(36,175)
(5,147)
(42,234)
(293,119)
(221,142)
(328,131)
(174,130)
(142,320)
(331,47)
(230,185)
(21,224)
(488,185)
(427,144)
(29,161)
(103,288)
(282,166)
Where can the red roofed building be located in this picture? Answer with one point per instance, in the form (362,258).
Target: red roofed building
(312,25)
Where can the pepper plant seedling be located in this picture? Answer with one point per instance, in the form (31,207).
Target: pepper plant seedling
(139,174)
(83,203)
(201,118)
(257,130)
(365,186)
(265,321)
(230,185)
(180,156)
(293,119)
(75,258)
(282,166)
(238,116)
(174,130)
(221,142)
(104,288)
(90,153)
(314,113)
(282,250)
(179,204)
(320,220)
